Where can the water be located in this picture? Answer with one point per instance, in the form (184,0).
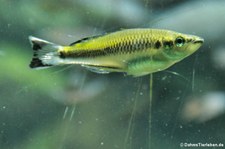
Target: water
(70,107)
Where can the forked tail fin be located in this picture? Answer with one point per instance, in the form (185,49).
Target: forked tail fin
(45,53)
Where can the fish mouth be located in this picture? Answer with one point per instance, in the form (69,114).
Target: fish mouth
(198,40)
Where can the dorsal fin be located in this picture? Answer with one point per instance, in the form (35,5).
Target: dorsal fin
(84,39)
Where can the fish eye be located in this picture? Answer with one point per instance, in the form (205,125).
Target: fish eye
(179,41)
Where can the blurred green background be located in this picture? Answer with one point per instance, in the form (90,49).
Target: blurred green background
(72,108)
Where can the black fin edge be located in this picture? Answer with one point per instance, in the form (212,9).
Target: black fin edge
(36,62)
(36,46)
(84,39)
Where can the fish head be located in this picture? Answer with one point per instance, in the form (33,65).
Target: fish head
(177,46)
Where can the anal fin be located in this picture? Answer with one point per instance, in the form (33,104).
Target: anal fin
(102,69)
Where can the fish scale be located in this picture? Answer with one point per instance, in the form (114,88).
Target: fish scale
(136,52)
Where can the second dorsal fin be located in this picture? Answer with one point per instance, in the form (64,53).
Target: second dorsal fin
(84,39)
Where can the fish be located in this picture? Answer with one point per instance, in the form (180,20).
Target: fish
(136,52)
